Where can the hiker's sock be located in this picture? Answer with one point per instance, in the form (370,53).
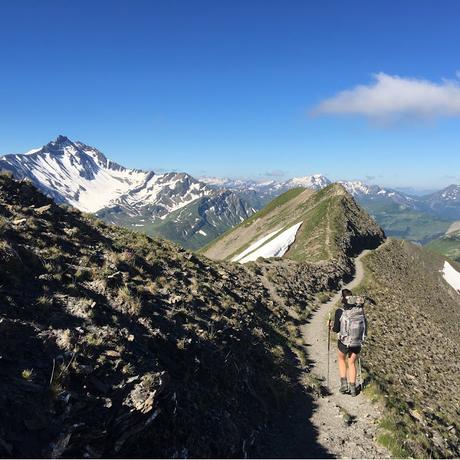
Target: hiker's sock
(343,385)
(353,389)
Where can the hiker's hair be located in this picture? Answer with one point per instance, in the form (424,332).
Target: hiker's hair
(346,293)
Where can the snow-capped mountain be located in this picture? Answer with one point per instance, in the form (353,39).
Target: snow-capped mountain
(73,173)
(80,175)
(358,189)
(240,184)
(362,191)
(268,188)
(315,182)
(205,219)
(445,203)
(450,194)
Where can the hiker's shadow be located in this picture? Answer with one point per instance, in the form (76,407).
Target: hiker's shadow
(291,433)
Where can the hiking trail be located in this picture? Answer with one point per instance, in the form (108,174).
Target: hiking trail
(346,426)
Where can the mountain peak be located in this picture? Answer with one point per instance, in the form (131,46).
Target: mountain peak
(338,189)
(60,143)
(315,181)
(61,139)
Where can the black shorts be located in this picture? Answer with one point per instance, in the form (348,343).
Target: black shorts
(347,350)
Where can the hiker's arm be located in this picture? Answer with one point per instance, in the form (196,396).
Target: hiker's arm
(336,326)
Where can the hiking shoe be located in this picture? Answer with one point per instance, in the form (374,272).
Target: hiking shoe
(343,386)
(353,391)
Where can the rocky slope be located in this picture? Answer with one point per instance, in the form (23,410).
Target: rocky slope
(118,345)
(412,350)
(330,226)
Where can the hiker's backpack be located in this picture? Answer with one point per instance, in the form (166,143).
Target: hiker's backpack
(353,326)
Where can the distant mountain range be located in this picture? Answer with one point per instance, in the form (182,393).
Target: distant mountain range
(195,211)
(415,218)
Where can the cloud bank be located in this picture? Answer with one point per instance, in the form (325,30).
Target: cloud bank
(391,97)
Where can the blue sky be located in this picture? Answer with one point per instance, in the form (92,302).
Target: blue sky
(228,88)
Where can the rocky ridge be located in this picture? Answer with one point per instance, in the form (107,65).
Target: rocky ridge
(333,227)
(115,344)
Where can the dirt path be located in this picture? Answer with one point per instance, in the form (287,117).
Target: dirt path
(355,438)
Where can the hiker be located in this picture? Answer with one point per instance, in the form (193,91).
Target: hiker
(351,325)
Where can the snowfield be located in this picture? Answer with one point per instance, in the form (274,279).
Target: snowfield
(255,245)
(276,247)
(452,276)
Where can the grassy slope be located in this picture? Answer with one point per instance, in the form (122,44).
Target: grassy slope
(448,245)
(270,207)
(413,346)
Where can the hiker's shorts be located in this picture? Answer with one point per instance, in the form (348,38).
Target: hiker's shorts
(347,350)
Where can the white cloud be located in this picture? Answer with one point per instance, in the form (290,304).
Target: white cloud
(391,97)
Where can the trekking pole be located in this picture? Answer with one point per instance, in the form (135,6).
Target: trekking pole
(360,373)
(328,346)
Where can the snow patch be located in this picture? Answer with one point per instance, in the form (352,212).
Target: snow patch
(276,247)
(33,151)
(255,245)
(452,276)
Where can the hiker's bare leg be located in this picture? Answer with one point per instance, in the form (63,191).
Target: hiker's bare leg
(341,359)
(352,368)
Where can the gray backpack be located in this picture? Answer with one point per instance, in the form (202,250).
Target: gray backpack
(353,326)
